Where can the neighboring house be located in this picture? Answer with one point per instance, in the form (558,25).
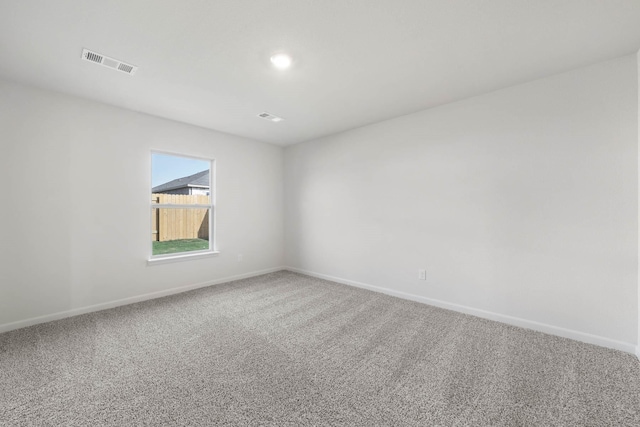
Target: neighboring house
(196,184)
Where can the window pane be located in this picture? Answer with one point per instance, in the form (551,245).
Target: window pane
(180,180)
(175,230)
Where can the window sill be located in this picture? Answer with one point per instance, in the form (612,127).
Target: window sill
(182,257)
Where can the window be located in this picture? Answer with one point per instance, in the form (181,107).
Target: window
(182,206)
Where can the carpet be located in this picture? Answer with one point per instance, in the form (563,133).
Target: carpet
(285,349)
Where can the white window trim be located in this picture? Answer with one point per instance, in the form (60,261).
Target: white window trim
(182,256)
(191,255)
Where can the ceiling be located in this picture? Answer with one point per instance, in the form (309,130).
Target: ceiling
(356,62)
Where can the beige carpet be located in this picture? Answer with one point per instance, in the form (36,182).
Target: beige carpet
(290,350)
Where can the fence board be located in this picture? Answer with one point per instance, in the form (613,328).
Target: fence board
(179,223)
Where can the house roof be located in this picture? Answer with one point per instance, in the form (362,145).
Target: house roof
(200,179)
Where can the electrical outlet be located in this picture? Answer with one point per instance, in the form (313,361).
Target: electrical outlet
(422,274)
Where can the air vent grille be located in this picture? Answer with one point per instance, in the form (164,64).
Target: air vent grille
(93,57)
(105,61)
(126,68)
(270,117)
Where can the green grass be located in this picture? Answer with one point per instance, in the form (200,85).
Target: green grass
(177,246)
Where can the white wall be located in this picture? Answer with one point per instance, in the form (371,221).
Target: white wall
(638,69)
(522,203)
(74,219)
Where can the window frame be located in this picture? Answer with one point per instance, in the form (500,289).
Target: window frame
(211,207)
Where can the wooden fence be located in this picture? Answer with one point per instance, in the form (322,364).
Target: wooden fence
(179,223)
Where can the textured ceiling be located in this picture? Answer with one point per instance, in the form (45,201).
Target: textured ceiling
(356,61)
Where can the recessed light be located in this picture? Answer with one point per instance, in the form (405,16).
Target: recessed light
(281,61)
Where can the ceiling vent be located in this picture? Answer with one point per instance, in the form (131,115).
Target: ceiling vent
(105,61)
(270,117)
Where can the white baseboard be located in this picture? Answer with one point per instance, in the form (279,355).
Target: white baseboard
(125,301)
(516,321)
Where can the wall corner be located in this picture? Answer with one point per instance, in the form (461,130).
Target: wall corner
(638,214)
